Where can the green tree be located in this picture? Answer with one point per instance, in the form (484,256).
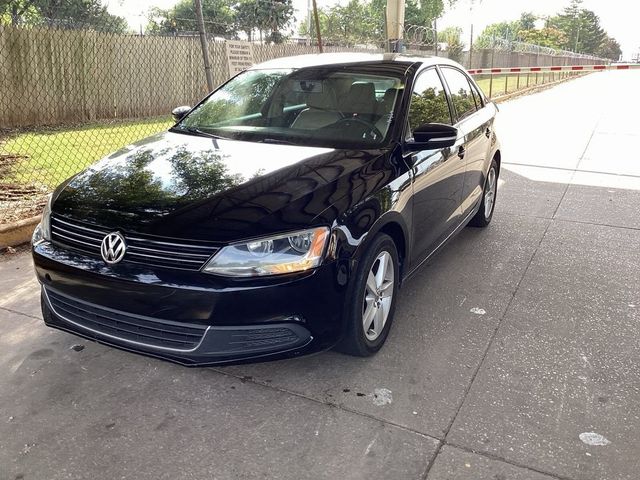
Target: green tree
(423,13)
(591,34)
(545,37)
(581,27)
(452,37)
(66,13)
(527,21)
(351,24)
(225,17)
(500,30)
(275,15)
(218,16)
(609,48)
(363,22)
(417,12)
(322,19)
(16,12)
(247,17)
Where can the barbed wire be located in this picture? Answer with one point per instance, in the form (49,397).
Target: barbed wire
(518,46)
(419,35)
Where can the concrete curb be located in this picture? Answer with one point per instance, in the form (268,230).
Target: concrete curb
(17,233)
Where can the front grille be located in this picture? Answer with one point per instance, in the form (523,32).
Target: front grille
(126,327)
(145,249)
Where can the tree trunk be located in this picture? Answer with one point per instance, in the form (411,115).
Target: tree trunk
(14,15)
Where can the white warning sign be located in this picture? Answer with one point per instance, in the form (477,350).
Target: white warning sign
(239,56)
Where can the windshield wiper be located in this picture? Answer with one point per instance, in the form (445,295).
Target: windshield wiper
(195,131)
(276,141)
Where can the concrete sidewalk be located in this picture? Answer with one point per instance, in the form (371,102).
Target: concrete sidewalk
(514,353)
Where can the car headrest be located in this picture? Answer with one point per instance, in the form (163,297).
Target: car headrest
(324,100)
(388,100)
(360,99)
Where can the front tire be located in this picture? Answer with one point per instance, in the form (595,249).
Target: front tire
(483,216)
(369,314)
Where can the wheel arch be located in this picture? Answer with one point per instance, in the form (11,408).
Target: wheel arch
(393,225)
(497,156)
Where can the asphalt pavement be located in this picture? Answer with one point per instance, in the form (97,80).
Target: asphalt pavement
(515,352)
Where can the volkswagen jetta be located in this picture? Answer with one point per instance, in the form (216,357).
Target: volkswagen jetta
(277,217)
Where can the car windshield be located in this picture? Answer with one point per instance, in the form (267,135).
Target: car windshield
(337,107)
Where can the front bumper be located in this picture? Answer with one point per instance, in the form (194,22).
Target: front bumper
(189,317)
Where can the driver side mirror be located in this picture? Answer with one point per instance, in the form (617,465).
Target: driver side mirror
(431,136)
(179,112)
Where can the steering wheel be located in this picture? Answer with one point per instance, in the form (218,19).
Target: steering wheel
(372,129)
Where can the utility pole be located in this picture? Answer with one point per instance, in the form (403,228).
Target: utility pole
(395,25)
(471,34)
(309,13)
(203,44)
(315,14)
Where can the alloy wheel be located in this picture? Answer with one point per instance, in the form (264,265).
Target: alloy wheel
(378,296)
(490,193)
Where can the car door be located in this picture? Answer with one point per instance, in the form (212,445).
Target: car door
(474,121)
(438,174)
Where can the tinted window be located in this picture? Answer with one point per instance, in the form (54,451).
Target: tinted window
(461,94)
(429,101)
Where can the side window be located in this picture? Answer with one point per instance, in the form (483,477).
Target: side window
(428,101)
(461,94)
(477,96)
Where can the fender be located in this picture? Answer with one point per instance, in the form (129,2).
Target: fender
(351,237)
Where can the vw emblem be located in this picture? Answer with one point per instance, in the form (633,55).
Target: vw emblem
(113,248)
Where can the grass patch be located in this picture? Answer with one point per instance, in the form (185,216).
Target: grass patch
(509,83)
(48,157)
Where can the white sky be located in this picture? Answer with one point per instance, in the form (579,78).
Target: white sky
(618,17)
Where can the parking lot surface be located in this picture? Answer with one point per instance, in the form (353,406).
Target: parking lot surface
(514,355)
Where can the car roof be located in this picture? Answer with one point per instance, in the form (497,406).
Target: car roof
(342,58)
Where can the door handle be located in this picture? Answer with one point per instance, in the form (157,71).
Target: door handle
(487,132)
(461,151)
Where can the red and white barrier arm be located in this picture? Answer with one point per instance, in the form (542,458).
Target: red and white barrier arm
(554,68)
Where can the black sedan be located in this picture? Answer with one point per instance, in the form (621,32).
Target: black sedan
(277,217)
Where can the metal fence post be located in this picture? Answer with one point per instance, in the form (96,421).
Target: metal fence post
(471,49)
(203,44)
(493,51)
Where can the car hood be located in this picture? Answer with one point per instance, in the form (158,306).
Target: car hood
(186,186)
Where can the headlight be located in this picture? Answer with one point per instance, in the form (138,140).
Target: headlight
(43,230)
(288,253)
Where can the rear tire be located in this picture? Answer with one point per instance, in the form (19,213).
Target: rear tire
(372,299)
(483,216)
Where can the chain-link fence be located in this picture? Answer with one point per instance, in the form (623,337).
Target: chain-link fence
(71,96)
(513,53)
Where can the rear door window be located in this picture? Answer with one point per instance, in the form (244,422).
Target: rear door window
(462,95)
